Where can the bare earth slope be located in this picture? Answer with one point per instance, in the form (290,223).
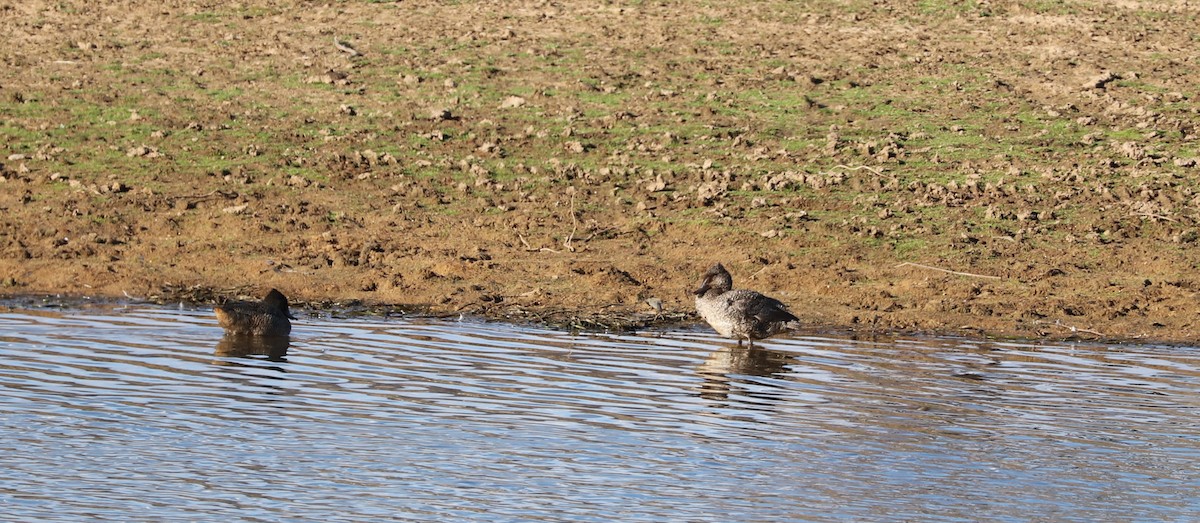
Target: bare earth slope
(567,161)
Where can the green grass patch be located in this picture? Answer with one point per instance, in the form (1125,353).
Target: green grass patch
(207,17)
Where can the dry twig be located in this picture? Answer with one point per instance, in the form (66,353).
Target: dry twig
(1155,216)
(756,273)
(848,168)
(344,47)
(1072,328)
(930,267)
(530,248)
(574,225)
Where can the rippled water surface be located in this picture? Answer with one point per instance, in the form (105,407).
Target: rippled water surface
(141,413)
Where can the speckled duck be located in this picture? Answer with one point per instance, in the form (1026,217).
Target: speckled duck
(740,314)
(268,317)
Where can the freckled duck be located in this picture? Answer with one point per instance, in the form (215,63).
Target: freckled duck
(268,317)
(739,313)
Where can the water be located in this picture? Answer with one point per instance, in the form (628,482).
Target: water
(142,413)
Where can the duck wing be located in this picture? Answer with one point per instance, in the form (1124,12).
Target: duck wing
(240,315)
(764,309)
(771,310)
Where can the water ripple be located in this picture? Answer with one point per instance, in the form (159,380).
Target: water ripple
(110,412)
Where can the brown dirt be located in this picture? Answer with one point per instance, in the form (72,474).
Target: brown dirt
(567,161)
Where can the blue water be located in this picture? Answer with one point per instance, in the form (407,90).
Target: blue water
(139,413)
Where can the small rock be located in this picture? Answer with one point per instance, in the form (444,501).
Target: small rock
(348,110)
(1099,82)
(1027,215)
(235,209)
(512,102)
(440,113)
(142,151)
(1185,162)
(708,191)
(657,185)
(1131,150)
(329,77)
(1186,236)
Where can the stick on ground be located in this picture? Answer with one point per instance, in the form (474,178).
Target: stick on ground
(932,268)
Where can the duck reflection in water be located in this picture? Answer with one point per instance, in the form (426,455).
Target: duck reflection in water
(242,346)
(721,369)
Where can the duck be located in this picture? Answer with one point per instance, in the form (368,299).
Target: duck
(740,314)
(268,317)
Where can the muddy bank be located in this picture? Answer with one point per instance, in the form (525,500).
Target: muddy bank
(1002,169)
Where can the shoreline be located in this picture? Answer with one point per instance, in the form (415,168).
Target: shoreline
(616,320)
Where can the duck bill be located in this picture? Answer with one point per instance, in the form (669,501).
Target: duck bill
(703,288)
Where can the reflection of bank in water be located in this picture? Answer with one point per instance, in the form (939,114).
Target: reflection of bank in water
(239,346)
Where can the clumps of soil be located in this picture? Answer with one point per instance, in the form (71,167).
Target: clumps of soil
(467,159)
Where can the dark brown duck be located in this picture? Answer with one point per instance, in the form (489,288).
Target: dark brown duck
(268,317)
(739,313)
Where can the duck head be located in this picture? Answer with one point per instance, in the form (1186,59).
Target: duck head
(717,279)
(278,303)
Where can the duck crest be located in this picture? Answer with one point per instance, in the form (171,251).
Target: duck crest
(739,313)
